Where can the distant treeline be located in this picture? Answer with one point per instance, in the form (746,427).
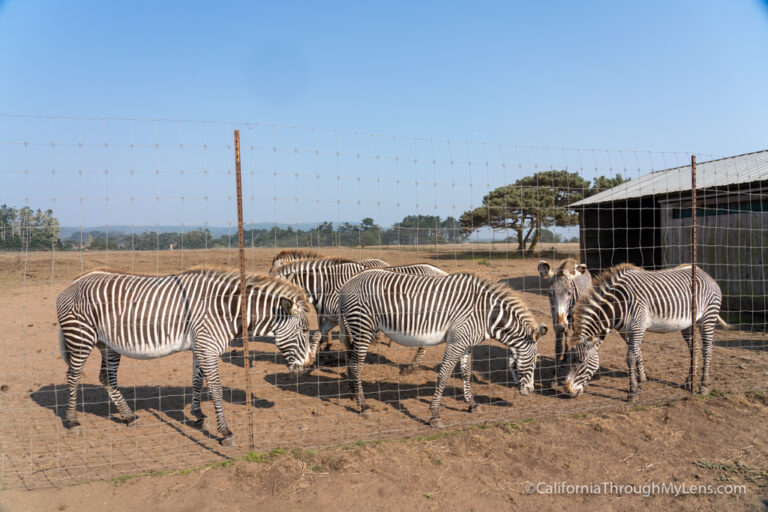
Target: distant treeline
(40,232)
(26,229)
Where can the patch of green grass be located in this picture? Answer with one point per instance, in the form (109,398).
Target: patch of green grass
(277,451)
(757,396)
(303,454)
(319,468)
(734,468)
(116,481)
(434,437)
(257,457)
(429,496)
(360,443)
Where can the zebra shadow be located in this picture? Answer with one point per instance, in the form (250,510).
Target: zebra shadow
(527,284)
(334,388)
(159,401)
(749,344)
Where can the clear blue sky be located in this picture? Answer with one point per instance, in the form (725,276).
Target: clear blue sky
(662,76)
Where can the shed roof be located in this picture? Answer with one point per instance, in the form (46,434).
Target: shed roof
(713,173)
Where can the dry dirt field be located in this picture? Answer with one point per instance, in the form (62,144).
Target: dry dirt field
(720,439)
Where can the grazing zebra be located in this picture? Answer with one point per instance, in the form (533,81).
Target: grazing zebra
(633,300)
(460,310)
(566,283)
(147,317)
(374,263)
(288,255)
(322,279)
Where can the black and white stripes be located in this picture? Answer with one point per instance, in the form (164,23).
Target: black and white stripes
(632,300)
(460,310)
(145,317)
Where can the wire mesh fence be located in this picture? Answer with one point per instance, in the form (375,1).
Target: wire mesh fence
(158,197)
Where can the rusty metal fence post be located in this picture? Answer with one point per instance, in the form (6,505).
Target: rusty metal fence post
(243,297)
(694,342)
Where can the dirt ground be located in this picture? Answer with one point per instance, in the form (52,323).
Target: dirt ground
(589,439)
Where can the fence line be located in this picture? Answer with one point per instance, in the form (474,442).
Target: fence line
(155,196)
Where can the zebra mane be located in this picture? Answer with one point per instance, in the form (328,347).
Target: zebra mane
(587,303)
(265,283)
(566,264)
(296,254)
(507,294)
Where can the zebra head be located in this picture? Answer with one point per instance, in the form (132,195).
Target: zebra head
(523,352)
(291,330)
(584,362)
(562,290)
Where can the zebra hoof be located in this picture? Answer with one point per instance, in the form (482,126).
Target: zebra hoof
(366,413)
(435,422)
(407,370)
(133,420)
(632,398)
(704,390)
(73,426)
(474,408)
(227,441)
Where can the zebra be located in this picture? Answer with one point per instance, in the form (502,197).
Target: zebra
(633,300)
(322,279)
(460,310)
(289,255)
(566,283)
(146,317)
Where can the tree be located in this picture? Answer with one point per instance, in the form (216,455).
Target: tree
(528,205)
(604,183)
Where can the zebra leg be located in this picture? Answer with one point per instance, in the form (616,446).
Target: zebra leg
(209,363)
(688,337)
(76,362)
(707,335)
(453,351)
(110,360)
(559,357)
(197,389)
(355,369)
(414,365)
(466,377)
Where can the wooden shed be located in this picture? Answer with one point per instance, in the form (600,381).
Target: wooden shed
(647,222)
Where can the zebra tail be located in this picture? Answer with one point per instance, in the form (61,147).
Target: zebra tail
(63,347)
(725,325)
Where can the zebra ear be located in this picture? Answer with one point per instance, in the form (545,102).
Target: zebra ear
(288,306)
(540,331)
(580,269)
(545,270)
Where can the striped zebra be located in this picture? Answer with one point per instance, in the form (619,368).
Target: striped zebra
(633,300)
(566,283)
(460,310)
(322,279)
(147,317)
(289,255)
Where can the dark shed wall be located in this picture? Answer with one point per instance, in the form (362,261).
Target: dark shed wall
(625,231)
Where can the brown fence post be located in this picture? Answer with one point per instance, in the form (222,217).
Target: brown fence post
(694,342)
(243,297)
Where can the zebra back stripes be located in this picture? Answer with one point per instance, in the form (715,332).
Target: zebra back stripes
(144,317)
(632,300)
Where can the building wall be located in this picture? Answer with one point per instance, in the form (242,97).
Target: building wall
(732,247)
(621,232)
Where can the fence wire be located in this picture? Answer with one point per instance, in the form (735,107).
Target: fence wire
(157,196)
